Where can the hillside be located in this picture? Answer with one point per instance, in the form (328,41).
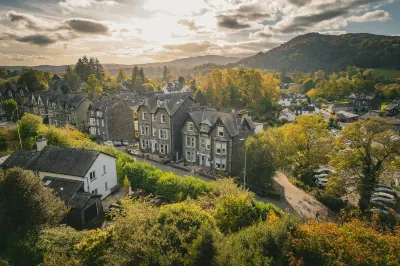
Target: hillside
(313,51)
(183,63)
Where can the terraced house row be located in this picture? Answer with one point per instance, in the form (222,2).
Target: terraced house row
(173,125)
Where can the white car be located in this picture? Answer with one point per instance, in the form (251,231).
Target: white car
(387,202)
(321,182)
(108,143)
(125,143)
(117,143)
(383,195)
(386,190)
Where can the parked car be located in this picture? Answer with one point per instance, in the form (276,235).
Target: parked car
(380,211)
(125,143)
(108,143)
(321,182)
(383,185)
(320,176)
(386,190)
(388,202)
(117,143)
(383,195)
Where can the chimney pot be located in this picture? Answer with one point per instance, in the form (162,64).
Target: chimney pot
(41,144)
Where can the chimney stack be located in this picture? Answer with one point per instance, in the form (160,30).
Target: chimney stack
(41,143)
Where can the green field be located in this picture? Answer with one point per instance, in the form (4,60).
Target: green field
(388,73)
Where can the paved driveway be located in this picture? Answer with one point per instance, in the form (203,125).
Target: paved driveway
(293,199)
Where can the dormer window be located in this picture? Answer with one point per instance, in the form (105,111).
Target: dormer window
(190,126)
(21,93)
(9,93)
(204,128)
(220,131)
(162,118)
(39,101)
(33,101)
(143,115)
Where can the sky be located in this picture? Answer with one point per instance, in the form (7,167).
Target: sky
(58,32)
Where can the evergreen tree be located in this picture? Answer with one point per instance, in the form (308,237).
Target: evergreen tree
(142,76)
(165,74)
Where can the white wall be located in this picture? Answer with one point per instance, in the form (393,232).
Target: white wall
(110,176)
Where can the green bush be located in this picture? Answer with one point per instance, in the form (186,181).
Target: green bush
(334,204)
(167,185)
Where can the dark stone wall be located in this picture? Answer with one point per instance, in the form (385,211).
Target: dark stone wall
(120,125)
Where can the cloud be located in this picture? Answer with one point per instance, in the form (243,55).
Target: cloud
(231,23)
(37,39)
(333,32)
(188,23)
(299,2)
(378,15)
(87,26)
(244,16)
(194,47)
(28,20)
(23,58)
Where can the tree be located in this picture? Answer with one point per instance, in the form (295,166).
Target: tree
(10,106)
(372,146)
(26,204)
(29,128)
(93,86)
(308,84)
(122,76)
(34,79)
(72,78)
(165,74)
(142,75)
(260,162)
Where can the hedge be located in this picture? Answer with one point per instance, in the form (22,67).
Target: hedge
(167,185)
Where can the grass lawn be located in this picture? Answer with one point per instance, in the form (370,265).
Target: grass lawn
(388,73)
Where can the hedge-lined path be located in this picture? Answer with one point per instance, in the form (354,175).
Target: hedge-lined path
(293,198)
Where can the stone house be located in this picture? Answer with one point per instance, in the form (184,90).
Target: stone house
(363,102)
(347,117)
(212,139)
(160,121)
(177,86)
(287,115)
(111,119)
(19,93)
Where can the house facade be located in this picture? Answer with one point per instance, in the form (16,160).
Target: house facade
(363,102)
(215,140)
(287,115)
(177,86)
(95,169)
(111,119)
(160,121)
(19,93)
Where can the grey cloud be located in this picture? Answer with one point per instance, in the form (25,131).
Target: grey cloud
(299,2)
(36,39)
(87,26)
(378,15)
(231,23)
(29,21)
(195,47)
(188,23)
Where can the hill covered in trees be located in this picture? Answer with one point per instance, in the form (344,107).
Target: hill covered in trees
(313,51)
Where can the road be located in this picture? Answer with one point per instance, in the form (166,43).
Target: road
(293,199)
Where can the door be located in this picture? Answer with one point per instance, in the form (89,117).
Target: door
(203,160)
(153,147)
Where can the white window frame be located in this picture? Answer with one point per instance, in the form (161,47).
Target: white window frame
(10,94)
(154,132)
(143,115)
(153,117)
(163,134)
(208,144)
(204,128)
(92,175)
(190,142)
(102,123)
(221,146)
(203,142)
(92,121)
(163,118)
(190,126)
(220,131)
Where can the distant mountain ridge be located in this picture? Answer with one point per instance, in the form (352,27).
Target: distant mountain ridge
(314,51)
(181,63)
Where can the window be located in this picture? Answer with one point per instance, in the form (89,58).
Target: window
(163,134)
(190,126)
(92,175)
(41,110)
(97,122)
(104,169)
(144,130)
(106,186)
(94,191)
(208,144)
(143,115)
(190,142)
(21,93)
(202,143)
(220,164)
(35,110)
(163,148)
(102,123)
(204,128)
(68,117)
(40,101)
(220,131)
(190,157)
(220,148)
(9,93)
(154,132)
(153,117)
(162,118)
(93,130)
(92,121)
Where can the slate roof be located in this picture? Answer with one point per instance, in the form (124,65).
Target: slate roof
(102,104)
(69,100)
(362,96)
(308,108)
(72,193)
(345,115)
(169,102)
(52,159)
(231,120)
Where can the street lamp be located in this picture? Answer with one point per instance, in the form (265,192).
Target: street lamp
(245,160)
